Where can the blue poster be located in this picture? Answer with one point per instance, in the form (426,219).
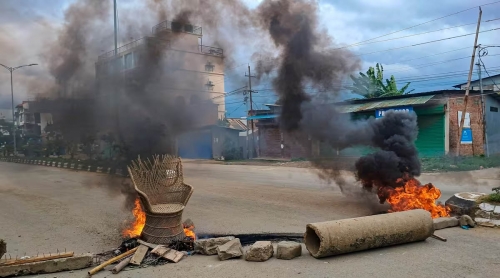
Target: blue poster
(466,136)
(380,113)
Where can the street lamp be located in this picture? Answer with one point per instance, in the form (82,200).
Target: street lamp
(11,69)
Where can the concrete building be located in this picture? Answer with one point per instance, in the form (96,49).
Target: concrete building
(30,120)
(489,83)
(210,142)
(193,73)
(273,143)
(437,113)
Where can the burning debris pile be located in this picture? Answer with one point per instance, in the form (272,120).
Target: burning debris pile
(136,252)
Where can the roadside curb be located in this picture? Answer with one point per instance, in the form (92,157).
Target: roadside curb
(67,165)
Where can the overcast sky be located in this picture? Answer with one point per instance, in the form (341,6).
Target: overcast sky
(431,66)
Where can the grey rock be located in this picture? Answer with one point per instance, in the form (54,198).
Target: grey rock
(229,250)
(209,246)
(466,220)
(483,214)
(288,250)
(260,251)
(486,207)
(444,222)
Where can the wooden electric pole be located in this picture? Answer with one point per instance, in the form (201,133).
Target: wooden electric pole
(250,112)
(466,97)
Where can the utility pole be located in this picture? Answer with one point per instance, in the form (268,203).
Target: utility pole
(483,105)
(251,110)
(11,70)
(466,97)
(116,27)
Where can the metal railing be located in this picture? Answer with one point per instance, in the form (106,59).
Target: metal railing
(177,27)
(110,54)
(215,51)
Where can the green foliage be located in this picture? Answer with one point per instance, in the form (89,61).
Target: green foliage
(464,163)
(88,142)
(371,85)
(493,197)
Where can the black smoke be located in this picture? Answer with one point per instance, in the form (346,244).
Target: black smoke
(307,56)
(308,59)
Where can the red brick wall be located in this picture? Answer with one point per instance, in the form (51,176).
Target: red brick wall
(270,144)
(474,107)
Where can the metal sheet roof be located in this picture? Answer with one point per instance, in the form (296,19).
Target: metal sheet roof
(237,124)
(257,117)
(373,105)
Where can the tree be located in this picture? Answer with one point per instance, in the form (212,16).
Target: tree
(371,85)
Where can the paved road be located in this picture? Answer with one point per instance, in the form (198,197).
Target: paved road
(44,209)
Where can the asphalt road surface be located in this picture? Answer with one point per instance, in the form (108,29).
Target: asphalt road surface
(43,209)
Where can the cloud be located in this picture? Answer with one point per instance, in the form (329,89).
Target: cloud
(24,29)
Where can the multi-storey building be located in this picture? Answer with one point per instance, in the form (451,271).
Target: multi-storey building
(192,73)
(30,119)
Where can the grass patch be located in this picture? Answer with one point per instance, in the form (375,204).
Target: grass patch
(466,163)
(492,198)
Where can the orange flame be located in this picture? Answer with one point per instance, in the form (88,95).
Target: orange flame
(135,228)
(189,232)
(413,195)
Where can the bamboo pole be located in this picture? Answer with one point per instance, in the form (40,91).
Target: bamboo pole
(121,265)
(110,261)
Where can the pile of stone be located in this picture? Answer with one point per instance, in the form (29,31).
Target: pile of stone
(230,248)
(488,215)
(469,211)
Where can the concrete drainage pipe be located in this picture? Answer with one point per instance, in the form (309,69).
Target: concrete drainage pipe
(331,238)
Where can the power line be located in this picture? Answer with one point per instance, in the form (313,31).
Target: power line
(404,29)
(235,109)
(427,42)
(423,33)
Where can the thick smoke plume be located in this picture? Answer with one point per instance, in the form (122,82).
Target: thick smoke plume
(305,57)
(308,59)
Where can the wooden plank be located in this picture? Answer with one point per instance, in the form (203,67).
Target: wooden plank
(167,253)
(150,245)
(174,255)
(139,255)
(37,259)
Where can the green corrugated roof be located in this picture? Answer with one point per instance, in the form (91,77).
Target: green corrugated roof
(373,105)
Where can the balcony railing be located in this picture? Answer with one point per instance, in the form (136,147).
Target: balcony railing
(177,27)
(215,51)
(110,54)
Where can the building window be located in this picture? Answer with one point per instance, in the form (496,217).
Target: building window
(109,65)
(210,85)
(493,109)
(209,67)
(129,61)
(460,100)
